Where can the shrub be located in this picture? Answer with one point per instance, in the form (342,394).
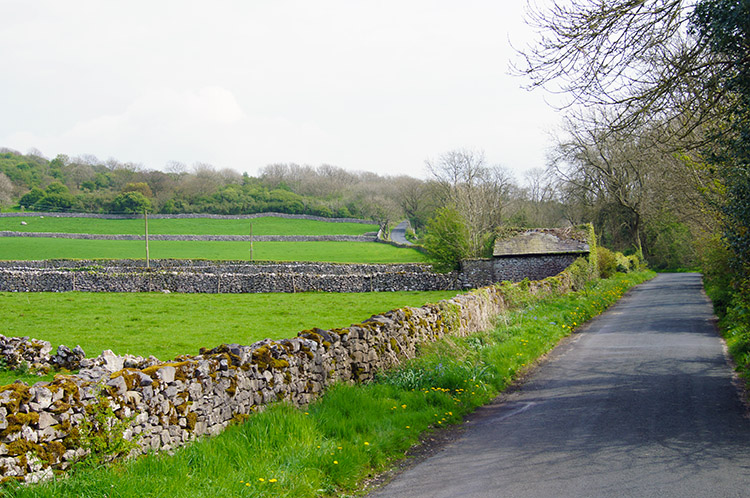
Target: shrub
(606,262)
(447,240)
(581,272)
(624,265)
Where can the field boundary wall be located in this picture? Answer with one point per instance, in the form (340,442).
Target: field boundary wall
(203,276)
(185,237)
(168,404)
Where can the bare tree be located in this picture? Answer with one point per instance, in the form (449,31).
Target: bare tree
(639,57)
(477,191)
(6,190)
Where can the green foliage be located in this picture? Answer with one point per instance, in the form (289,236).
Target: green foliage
(581,271)
(447,239)
(606,262)
(141,187)
(102,435)
(131,202)
(31,198)
(668,243)
(725,26)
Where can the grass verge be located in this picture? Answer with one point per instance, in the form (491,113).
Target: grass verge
(352,431)
(24,248)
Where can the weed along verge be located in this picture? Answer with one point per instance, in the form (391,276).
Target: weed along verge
(326,447)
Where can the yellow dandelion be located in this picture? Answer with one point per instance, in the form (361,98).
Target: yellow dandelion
(261,479)
(335,462)
(367,444)
(272,480)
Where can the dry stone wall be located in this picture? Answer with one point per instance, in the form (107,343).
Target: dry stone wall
(210,238)
(218,277)
(245,277)
(167,404)
(481,272)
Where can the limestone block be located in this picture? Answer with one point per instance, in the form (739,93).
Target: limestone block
(166,374)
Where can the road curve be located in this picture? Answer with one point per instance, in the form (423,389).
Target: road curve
(638,404)
(398,234)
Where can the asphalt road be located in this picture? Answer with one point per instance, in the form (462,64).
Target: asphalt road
(640,403)
(398,234)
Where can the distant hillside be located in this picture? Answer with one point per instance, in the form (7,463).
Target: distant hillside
(86,184)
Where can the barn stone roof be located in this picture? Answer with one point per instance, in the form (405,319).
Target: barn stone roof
(542,241)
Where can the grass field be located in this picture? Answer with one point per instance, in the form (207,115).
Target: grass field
(198,226)
(167,325)
(26,248)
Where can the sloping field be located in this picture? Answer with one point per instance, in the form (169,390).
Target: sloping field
(178,226)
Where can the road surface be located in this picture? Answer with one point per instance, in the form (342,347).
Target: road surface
(398,234)
(638,404)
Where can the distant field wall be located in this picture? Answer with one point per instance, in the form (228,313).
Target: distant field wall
(182,216)
(167,405)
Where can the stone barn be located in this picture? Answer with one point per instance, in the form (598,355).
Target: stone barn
(534,254)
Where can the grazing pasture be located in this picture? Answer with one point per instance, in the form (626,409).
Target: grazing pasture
(168,325)
(178,226)
(26,248)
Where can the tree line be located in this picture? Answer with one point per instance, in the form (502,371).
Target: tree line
(656,145)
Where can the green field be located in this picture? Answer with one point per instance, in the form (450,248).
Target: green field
(167,325)
(27,248)
(193,226)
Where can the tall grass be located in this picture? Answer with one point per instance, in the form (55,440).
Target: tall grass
(352,431)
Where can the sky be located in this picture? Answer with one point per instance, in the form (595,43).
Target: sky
(376,85)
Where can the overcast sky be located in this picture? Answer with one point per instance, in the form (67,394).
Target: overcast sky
(374,85)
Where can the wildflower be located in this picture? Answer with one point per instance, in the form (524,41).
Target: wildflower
(247,484)
(367,444)
(272,480)
(403,406)
(335,462)
(408,427)
(261,479)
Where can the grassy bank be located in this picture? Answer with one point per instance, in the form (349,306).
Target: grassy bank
(193,226)
(353,431)
(22,248)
